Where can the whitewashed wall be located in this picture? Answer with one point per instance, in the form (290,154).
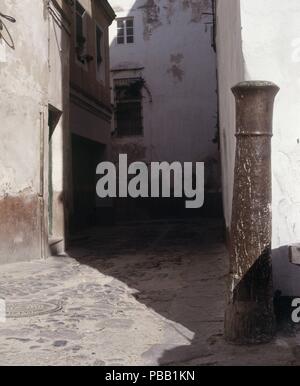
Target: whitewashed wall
(270,51)
(173,45)
(23,123)
(230,72)
(24,82)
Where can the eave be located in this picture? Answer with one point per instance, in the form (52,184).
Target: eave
(107,9)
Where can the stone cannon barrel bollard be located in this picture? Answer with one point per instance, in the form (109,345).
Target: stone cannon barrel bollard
(249,317)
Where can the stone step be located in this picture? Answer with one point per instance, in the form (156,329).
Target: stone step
(57,247)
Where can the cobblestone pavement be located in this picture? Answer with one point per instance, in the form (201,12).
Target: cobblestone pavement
(142,294)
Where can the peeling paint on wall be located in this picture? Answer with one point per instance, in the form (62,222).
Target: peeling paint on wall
(185,4)
(151,11)
(176,69)
(198,8)
(154,15)
(170,9)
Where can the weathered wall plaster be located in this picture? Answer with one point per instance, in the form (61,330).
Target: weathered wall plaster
(23,116)
(173,53)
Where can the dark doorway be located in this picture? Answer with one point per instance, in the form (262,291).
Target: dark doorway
(86,156)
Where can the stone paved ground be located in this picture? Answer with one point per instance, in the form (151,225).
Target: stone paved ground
(142,294)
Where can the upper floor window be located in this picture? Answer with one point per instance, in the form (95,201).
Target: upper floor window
(125,28)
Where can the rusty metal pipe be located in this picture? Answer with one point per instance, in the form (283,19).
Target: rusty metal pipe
(249,317)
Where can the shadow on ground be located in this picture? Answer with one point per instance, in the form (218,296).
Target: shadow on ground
(136,294)
(177,269)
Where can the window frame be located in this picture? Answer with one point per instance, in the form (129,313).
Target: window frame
(125,28)
(134,100)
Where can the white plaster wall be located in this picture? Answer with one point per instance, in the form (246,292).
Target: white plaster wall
(24,133)
(173,45)
(24,80)
(270,51)
(230,72)
(271,35)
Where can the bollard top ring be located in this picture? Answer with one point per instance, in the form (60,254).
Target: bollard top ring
(255,84)
(254,108)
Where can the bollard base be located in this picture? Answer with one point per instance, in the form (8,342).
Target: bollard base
(249,323)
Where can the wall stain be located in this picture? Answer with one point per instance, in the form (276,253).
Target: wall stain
(198,8)
(151,14)
(185,4)
(18,233)
(176,69)
(170,9)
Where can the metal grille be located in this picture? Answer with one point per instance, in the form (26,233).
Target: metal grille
(128,97)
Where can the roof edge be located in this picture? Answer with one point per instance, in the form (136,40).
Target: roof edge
(108,9)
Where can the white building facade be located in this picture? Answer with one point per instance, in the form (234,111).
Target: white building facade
(163,69)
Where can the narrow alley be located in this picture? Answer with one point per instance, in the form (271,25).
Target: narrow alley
(149,183)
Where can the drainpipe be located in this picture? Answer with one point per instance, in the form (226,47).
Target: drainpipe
(249,315)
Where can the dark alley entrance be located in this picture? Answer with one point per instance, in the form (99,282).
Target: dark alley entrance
(86,155)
